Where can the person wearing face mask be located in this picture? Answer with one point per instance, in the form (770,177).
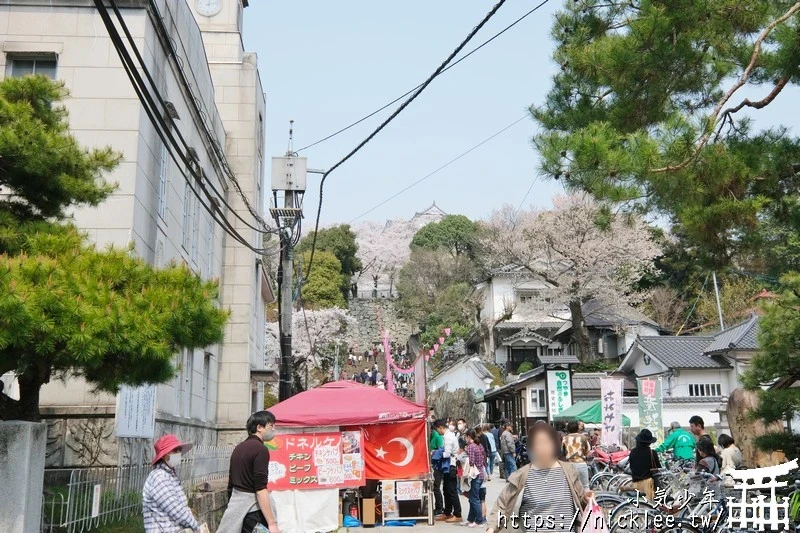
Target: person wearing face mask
(164,505)
(250,503)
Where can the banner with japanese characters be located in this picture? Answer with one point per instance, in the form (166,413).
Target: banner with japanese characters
(316,460)
(611,411)
(559,391)
(651,406)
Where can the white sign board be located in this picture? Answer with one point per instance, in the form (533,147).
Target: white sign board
(611,410)
(559,391)
(96,494)
(408,491)
(136,412)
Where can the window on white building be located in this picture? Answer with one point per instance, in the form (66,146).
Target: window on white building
(532,300)
(705,389)
(195,230)
(210,245)
(19,65)
(163,182)
(206,383)
(188,371)
(188,200)
(538,400)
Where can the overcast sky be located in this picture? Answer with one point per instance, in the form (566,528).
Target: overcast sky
(326,64)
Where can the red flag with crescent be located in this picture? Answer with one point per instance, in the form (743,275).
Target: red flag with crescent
(396,451)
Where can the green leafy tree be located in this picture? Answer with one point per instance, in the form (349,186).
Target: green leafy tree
(779,356)
(341,242)
(435,286)
(737,296)
(778,361)
(455,234)
(648,111)
(42,163)
(323,287)
(67,308)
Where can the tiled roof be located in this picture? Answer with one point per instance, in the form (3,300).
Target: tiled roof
(742,336)
(529,333)
(591,381)
(680,399)
(559,359)
(473,363)
(598,313)
(681,352)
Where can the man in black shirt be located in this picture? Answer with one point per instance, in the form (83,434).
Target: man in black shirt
(698,428)
(250,503)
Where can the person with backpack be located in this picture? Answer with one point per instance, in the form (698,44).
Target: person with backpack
(680,441)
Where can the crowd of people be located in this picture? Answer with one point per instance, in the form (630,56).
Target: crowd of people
(556,481)
(371,375)
(546,472)
(464,456)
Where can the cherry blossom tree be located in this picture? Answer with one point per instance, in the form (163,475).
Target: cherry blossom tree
(383,248)
(580,250)
(315,337)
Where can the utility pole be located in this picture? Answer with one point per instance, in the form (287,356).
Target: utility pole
(719,305)
(289,177)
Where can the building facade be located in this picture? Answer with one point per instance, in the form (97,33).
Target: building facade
(522,324)
(200,68)
(698,372)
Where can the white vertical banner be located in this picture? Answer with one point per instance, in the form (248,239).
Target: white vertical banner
(611,404)
(559,391)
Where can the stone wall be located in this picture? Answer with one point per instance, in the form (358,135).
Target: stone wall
(367,312)
(84,436)
(209,506)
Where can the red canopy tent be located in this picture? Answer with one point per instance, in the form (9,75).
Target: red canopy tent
(345,403)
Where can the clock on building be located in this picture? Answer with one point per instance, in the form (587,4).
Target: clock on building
(208,8)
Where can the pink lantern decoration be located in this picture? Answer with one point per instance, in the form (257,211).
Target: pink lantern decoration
(441,340)
(447,331)
(427,357)
(435,347)
(431,351)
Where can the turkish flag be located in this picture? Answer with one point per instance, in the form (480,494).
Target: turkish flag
(396,451)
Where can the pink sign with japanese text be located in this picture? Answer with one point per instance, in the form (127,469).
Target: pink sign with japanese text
(316,460)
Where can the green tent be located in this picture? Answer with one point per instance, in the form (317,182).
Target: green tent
(588,411)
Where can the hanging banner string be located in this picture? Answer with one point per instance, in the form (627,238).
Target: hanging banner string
(390,364)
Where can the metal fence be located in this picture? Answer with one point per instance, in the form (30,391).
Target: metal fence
(82,499)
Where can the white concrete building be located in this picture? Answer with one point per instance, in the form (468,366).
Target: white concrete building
(698,372)
(464,373)
(527,326)
(196,56)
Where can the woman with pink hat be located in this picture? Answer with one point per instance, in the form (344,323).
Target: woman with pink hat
(164,505)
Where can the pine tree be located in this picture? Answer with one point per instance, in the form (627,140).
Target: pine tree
(648,111)
(66,308)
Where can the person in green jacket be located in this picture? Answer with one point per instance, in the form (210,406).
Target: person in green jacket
(436,441)
(680,441)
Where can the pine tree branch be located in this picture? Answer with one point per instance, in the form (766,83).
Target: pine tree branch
(715,115)
(759,104)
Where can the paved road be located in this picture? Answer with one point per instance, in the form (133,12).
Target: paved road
(493,489)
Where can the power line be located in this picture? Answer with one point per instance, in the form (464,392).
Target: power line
(691,311)
(162,129)
(426,176)
(165,126)
(386,122)
(194,100)
(362,119)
